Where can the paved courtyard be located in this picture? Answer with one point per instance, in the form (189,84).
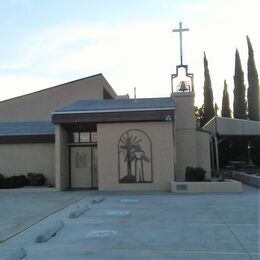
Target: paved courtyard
(21,208)
(149,226)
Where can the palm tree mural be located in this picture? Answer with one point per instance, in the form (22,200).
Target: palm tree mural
(127,145)
(135,157)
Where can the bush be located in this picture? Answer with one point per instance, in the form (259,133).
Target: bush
(16,182)
(195,174)
(2,181)
(36,179)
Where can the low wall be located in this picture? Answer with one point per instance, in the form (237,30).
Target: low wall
(208,187)
(252,180)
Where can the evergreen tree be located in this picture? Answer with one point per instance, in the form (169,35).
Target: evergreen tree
(226,144)
(216,109)
(239,105)
(198,116)
(239,145)
(253,85)
(208,112)
(253,101)
(225,109)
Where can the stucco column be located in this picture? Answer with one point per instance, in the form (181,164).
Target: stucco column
(61,158)
(185,133)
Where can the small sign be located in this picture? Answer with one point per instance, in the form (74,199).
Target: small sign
(168,118)
(81,159)
(182,187)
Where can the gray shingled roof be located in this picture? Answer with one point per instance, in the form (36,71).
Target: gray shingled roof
(117,105)
(26,128)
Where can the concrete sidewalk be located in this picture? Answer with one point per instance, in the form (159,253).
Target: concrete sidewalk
(151,226)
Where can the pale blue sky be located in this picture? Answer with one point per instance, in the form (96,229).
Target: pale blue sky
(47,42)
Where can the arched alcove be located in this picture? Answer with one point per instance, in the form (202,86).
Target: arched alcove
(135,163)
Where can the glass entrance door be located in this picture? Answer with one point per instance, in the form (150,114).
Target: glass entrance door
(83,166)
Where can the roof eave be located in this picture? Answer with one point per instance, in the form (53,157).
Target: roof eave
(112,111)
(114,117)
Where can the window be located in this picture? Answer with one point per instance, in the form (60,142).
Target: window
(83,137)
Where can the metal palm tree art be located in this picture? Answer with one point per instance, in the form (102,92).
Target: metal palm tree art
(128,144)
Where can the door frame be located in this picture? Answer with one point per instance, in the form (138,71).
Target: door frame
(82,145)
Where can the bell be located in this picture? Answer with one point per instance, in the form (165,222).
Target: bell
(183,86)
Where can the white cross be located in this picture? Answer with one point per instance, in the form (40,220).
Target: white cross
(180,30)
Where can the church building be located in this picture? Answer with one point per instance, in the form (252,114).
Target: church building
(81,134)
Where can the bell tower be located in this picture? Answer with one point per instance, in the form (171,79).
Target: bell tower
(183,86)
(185,124)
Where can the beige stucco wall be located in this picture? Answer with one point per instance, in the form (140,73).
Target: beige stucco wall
(61,158)
(186,149)
(203,152)
(39,105)
(184,111)
(161,135)
(185,133)
(192,147)
(19,159)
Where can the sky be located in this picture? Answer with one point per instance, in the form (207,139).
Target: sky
(49,42)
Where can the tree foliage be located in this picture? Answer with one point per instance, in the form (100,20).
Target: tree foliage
(225,109)
(253,85)
(199,115)
(239,147)
(208,112)
(216,109)
(253,101)
(239,105)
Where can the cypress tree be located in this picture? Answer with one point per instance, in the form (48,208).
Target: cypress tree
(216,109)
(239,147)
(253,85)
(225,109)
(198,116)
(225,145)
(239,105)
(253,101)
(208,112)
